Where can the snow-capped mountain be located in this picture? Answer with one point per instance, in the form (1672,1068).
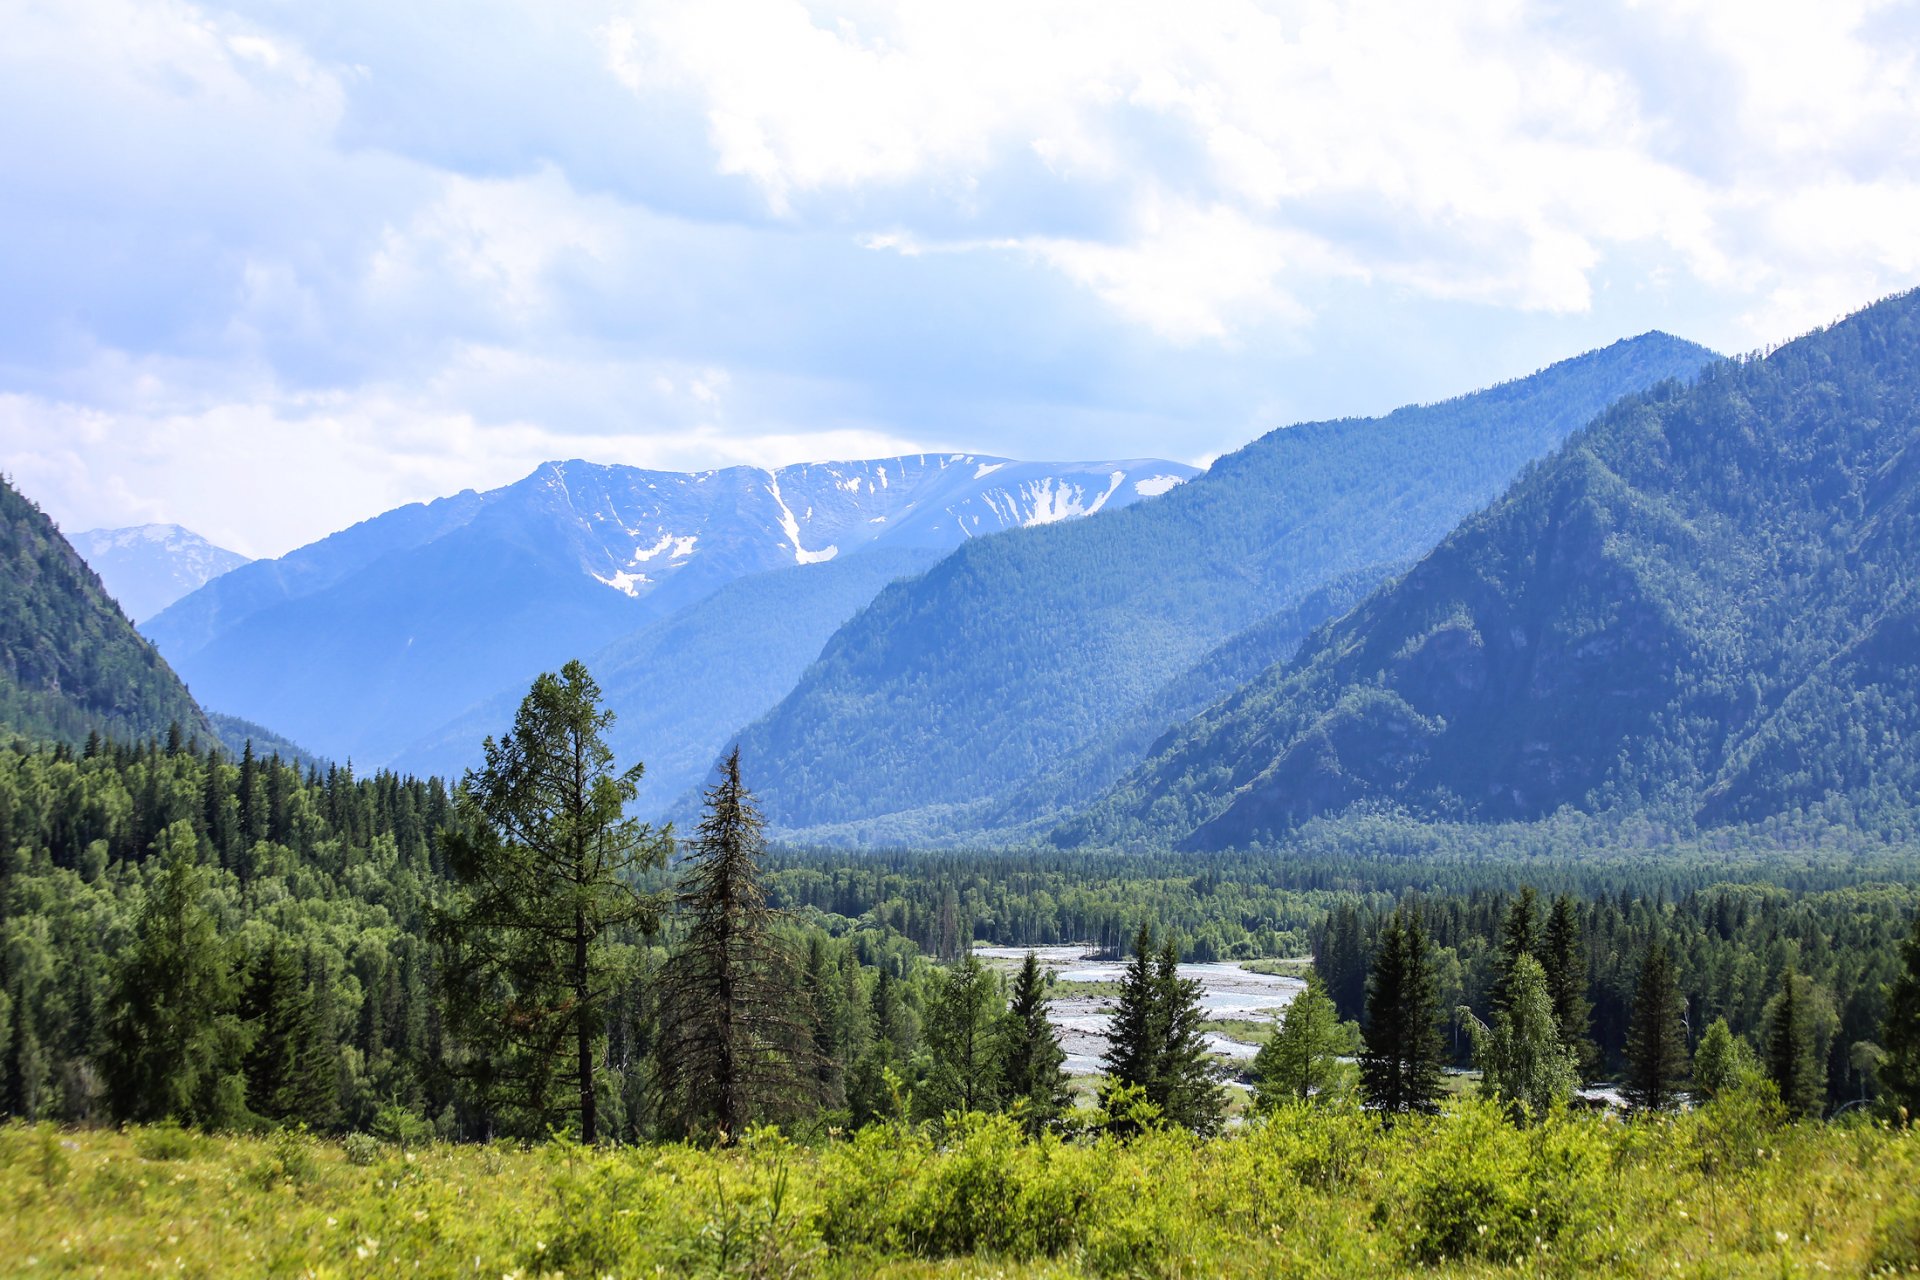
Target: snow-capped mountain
(361,643)
(149,566)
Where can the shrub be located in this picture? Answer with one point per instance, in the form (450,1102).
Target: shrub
(360,1149)
(1482,1188)
(1896,1238)
(164,1141)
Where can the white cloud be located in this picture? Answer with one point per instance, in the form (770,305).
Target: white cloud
(1476,151)
(270,268)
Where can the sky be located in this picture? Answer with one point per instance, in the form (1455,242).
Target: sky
(270,268)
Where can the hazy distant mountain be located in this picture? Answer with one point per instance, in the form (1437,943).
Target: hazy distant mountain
(366,641)
(149,566)
(1011,676)
(70,662)
(1707,605)
(681,686)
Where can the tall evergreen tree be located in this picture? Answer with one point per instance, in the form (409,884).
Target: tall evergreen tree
(1791,1062)
(733,1050)
(1187,1084)
(1401,1066)
(1656,1041)
(290,1066)
(1900,1029)
(1519,936)
(1300,1061)
(1522,1060)
(1136,1034)
(1030,1054)
(545,864)
(173,1031)
(1564,957)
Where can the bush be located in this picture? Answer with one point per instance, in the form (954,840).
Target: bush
(360,1149)
(1482,1188)
(165,1141)
(1896,1238)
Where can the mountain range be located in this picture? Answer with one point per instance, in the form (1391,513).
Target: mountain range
(148,566)
(1705,605)
(1015,681)
(1642,581)
(363,645)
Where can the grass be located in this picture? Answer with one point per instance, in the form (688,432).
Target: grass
(1726,1191)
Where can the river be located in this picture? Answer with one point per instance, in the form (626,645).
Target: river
(1226,991)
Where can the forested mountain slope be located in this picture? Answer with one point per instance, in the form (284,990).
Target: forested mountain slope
(950,693)
(1706,604)
(70,662)
(366,641)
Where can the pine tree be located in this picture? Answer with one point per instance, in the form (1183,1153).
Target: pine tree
(1401,1067)
(820,986)
(1900,1029)
(1187,1084)
(1300,1061)
(1791,1062)
(1519,936)
(289,1065)
(545,865)
(962,1039)
(173,1035)
(1565,962)
(1521,1058)
(1030,1054)
(1136,1035)
(733,1050)
(1656,1042)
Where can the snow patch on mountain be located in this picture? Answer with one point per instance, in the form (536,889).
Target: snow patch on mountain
(1154,486)
(147,567)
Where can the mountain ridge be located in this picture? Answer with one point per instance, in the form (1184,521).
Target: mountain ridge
(946,693)
(1683,609)
(359,645)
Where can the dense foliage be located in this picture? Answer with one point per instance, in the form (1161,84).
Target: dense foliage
(1725,1191)
(927,713)
(1701,607)
(70,662)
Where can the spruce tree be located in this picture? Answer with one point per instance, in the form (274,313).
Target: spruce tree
(1791,1062)
(734,1049)
(544,862)
(1521,1058)
(1030,1054)
(820,985)
(1519,936)
(1401,1066)
(1900,1029)
(1136,1034)
(962,1040)
(1565,960)
(173,1033)
(1656,1041)
(1186,1081)
(290,1066)
(1300,1061)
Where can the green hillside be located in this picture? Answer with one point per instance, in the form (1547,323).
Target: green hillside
(70,662)
(1704,607)
(951,693)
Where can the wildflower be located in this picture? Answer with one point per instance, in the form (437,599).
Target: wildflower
(1780,1238)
